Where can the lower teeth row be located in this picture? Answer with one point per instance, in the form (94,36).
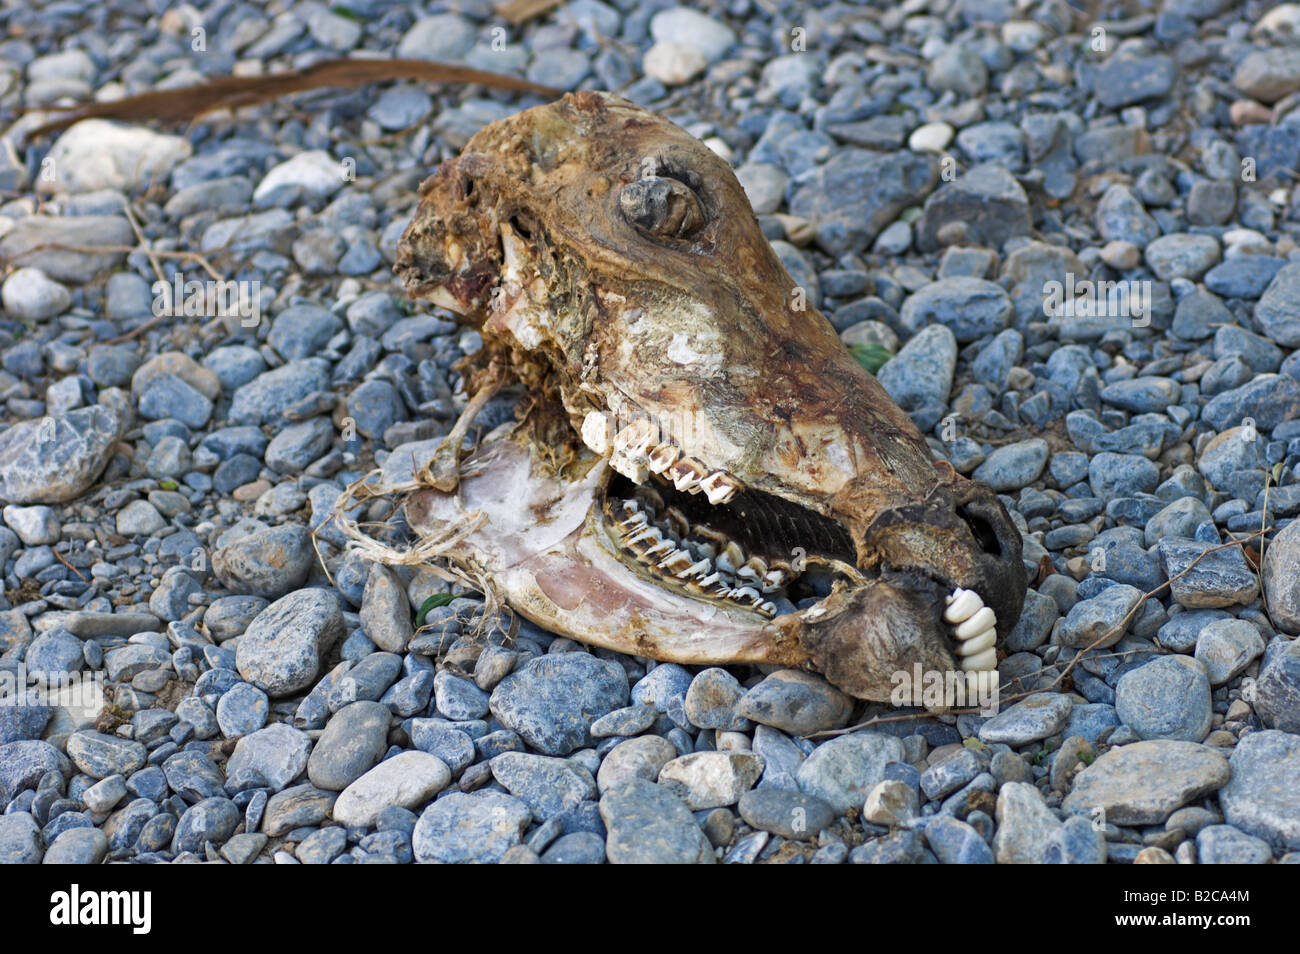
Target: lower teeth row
(975,626)
(699,559)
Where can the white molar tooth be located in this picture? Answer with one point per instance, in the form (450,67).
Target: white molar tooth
(635,439)
(719,487)
(663,546)
(988,659)
(663,457)
(774,579)
(745,593)
(962,605)
(687,473)
(649,533)
(984,619)
(632,523)
(695,569)
(634,471)
(767,608)
(709,580)
(977,644)
(597,431)
(677,558)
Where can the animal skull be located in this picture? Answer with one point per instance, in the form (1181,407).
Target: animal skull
(699,451)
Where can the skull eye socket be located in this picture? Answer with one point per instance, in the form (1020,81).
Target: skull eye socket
(662,207)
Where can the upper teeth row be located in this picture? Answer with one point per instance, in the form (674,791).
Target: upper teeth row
(975,626)
(636,452)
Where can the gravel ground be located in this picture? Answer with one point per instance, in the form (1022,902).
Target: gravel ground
(940,177)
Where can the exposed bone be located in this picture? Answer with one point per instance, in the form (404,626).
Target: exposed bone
(663,457)
(633,470)
(443,470)
(635,439)
(597,431)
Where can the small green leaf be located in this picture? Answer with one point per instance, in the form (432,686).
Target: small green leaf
(166,484)
(1277,472)
(1087,758)
(433,602)
(348,14)
(871,357)
(974,743)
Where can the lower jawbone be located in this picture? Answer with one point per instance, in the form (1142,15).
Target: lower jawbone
(666,565)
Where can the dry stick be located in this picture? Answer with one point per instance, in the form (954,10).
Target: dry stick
(144,242)
(1120,628)
(99,249)
(235,92)
(68,565)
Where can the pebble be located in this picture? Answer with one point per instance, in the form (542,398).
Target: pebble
(648,825)
(552,700)
(59,463)
(355,738)
(795,702)
(1262,798)
(639,758)
(843,770)
(475,828)
(711,779)
(1035,718)
(277,753)
(281,651)
(1167,698)
(550,787)
(407,780)
(1143,783)
(269,563)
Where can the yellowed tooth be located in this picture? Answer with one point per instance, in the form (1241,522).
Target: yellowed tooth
(720,487)
(687,473)
(636,438)
(663,457)
(677,522)
(984,619)
(977,644)
(649,533)
(660,548)
(675,561)
(632,523)
(695,569)
(988,659)
(962,605)
(731,558)
(597,431)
